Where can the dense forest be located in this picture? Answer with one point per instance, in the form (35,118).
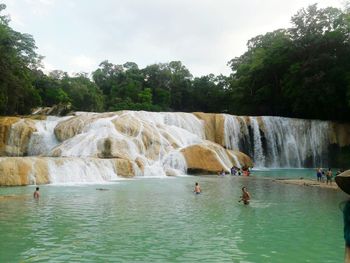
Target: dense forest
(302,71)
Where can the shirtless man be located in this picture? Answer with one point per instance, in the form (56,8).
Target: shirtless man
(36,193)
(197,189)
(245,196)
(329,176)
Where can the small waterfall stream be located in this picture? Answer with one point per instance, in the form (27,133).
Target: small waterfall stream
(258,157)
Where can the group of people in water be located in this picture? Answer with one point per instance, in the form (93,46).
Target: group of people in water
(326,176)
(245,197)
(236,171)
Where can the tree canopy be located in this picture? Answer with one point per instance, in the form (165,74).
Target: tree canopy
(302,71)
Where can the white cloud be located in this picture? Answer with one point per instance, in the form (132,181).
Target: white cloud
(42,2)
(203,34)
(17,20)
(47,67)
(82,63)
(40,7)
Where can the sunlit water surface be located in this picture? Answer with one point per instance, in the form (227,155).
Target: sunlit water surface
(161,220)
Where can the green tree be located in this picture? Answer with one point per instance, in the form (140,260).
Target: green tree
(17,60)
(302,71)
(50,89)
(84,94)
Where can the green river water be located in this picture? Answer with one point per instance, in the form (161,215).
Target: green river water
(161,220)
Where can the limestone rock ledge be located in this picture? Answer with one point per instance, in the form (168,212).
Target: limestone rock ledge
(15,171)
(18,171)
(212,158)
(15,135)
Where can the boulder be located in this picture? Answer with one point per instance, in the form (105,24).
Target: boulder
(210,158)
(343,181)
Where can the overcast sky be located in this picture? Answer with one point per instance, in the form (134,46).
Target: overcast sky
(76,35)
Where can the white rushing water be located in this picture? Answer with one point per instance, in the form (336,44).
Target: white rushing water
(81,170)
(155,142)
(152,142)
(259,157)
(44,139)
(279,142)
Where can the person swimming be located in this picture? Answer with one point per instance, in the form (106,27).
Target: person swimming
(245,196)
(36,193)
(197,189)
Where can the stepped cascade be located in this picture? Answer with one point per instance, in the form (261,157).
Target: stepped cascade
(99,147)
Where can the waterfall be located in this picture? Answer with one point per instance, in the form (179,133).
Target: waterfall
(278,141)
(154,139)
(44,139)
(232,132)
(259,157)
(175,164)
(99,147)
(81,170)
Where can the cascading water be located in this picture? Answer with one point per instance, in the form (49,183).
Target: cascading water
(154,140)
(44,139)
(81,170)
(279,142)
(259,157)
(232,132)
(98,147)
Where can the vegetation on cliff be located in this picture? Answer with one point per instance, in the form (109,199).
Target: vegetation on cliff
(302,71)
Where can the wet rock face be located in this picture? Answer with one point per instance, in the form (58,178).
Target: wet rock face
(23,171)
(15,135)
(214,125)
(5,127)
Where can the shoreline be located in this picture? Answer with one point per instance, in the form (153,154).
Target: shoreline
(308,182)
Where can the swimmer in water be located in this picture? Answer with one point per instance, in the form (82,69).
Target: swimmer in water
(36,193)
(197,189)
(245,196)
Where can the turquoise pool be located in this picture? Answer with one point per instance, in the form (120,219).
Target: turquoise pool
(161,220)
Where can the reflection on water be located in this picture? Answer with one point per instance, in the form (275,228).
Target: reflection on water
(161,220)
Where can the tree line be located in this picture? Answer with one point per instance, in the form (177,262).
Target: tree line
(302,71)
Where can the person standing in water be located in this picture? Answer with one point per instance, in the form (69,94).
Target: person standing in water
(197,189)
(245,196)
(319,174)
(329,176)
(36,193)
